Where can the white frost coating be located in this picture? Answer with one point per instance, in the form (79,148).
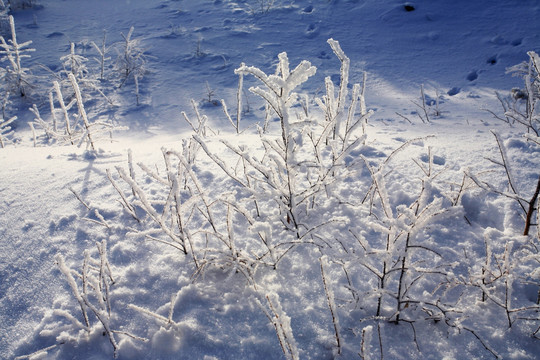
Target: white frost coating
(82,111)
(216,317)
(16,75)
(73,285)
(282,325)
(270,98)
(178,238)
(344,72)
(363,110)
(5,129)
(504,156)
(283,65)
(533,138)
(63,106)
(352,109)
(538,219)
(380,185)
(239,99)
(217,160)
(367,333)
(425,195)
(299,75)
(280,86)
(331,301)
(378,177)
(434,211)
(507,266)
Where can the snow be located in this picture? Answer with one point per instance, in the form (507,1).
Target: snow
(251,286)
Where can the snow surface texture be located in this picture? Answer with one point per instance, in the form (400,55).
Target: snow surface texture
(330,230)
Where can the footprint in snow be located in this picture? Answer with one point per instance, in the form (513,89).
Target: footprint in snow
(408,7)
(308,9)
(61,224)
(517,42)
(473,75)
(324,55)
(437,160)
(311,31)
(454,91)
(498,40)
(492,60)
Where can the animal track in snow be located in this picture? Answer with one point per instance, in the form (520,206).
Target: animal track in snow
(454,91)
(492,60)
(308,9)
(473,75)
(516,42)
(312,31)
(437,160)
(409,7)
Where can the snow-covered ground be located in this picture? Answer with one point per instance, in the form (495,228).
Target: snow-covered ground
(294,253)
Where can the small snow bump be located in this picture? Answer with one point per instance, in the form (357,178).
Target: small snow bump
(55,34)
(498,40)
(433,35)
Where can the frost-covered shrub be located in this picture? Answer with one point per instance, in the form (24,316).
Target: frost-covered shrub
(393,243)
(278,190)
(520,108)
(510,258)
(91,287)
(67,125)
(305,160)
(102,50)
(131,61)
(6,130)
(310,187)
(16,77)
(76,64)
(506,258)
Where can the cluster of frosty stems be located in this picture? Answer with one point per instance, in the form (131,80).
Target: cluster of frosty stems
(91,289)
(73,128)
(5,130)
(17,76)
(280,177)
